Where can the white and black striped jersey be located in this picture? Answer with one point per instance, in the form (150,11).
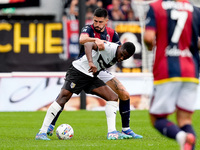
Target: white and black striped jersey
(102,59)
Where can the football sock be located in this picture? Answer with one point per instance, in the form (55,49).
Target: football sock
(50,115)
(56,118)
(125,129)
(124,109)
(180,138)
(167,128)
(188,128)
(58,114)
(111,111)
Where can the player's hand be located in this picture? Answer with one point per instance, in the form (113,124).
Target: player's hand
(100,43)
(93,68)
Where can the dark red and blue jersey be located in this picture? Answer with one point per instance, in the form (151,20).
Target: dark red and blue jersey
(177,27)
(108,34)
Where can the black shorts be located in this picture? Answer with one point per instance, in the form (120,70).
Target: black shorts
(76,81)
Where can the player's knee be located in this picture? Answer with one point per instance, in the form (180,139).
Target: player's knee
(114,97)
(124,95)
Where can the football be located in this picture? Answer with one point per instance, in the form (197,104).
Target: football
(64,132)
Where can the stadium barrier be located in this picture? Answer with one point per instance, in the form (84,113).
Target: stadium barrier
(32,91)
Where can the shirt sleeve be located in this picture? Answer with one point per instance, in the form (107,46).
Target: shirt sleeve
(88,30)
(199,21)
(150,19)
(116,38)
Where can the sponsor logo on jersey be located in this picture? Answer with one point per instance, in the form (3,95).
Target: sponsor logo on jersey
(174,51)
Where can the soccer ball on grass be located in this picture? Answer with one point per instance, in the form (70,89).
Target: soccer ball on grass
(64,132)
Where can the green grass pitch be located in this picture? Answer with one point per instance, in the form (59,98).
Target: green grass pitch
(18,130)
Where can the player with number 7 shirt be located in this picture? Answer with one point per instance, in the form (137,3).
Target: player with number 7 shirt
(172,31)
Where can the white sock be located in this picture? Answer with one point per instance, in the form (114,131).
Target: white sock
(111,111)
(125,129)
(50,115)
(180,138)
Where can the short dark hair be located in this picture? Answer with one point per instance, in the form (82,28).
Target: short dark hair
(101,12)
(129,47)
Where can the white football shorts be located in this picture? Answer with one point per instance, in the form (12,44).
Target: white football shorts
(169,96)
(105,76)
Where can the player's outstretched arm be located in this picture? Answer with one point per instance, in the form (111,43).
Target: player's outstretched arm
(84,37)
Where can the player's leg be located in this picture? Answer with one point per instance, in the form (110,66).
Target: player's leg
(73,76)
(124,106)
(124,101)
(52,125)
(52,111)
(184,120)
(111,106)
(111,109)
(165,126)
(69,87)
(171,130)
(185,109)
(164,104)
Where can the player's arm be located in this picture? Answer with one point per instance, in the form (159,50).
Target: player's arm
(115,38)
(84,37)
(149,39)
(89,46)
(150,32)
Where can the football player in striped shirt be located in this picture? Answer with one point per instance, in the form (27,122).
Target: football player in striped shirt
(172,30)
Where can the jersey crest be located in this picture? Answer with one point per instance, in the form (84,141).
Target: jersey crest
(107,37)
